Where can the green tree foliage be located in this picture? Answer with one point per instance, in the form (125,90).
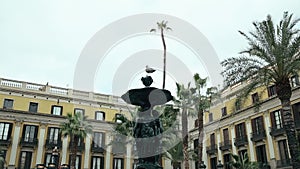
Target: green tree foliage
(242,162)
(272,57)
(76,127)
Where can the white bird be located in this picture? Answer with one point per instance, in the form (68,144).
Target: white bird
(149,69)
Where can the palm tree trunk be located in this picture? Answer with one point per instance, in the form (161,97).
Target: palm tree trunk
(200,137)
(185,138)
(74,145)
(165,57)
(284,93)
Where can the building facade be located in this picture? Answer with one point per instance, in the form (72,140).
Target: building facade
(239,128)
(30,115)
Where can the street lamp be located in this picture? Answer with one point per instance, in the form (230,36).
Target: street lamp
(220,165)
(202,165)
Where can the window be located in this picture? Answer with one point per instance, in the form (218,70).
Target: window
(258,125)
(227,160)
(255,98)
(296,114)
(33,107)
(226,136)
(240,130)
(117,120)
(5,131)
(80,111)
(53,135)
(224,111)
(276,119)
(261,154)
(283,151)
(210,117)
(56,110)
(77,162)
(118,163)
(213,163)
(8,104)
(25,160)
(212,139)
(99,115)
(29,133)
(295,81)
(47,159)
(97,162)
(271,90)
(98,139)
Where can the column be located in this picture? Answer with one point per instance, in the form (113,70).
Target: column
(128,156)
(272,161)
(218,143)
(64,150)
(108,151)
(14,146)
(234,151)
(87,151)
(204,154)
(41,143)
(251,146)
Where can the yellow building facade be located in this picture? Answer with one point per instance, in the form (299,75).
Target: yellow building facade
(257,130)
(30,115)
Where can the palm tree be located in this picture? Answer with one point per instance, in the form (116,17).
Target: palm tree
(185,102)
(271,58)
(162,26)
(242,162)
(202,102)
(77,128)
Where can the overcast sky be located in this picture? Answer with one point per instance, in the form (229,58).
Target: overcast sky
(41,40)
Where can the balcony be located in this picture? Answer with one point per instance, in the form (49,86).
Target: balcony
(258,136)
(211,149)
(241,141)
(96,148)
(29,142)
(5,143)
(283,163)
(226,145)
(50,143)
(274,131)
(80,147)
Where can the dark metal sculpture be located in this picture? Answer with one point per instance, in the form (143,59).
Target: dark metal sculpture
(148,127)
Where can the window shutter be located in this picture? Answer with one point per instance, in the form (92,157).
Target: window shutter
(272,119)
(253,126)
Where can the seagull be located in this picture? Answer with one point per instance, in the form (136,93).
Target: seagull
(149,69)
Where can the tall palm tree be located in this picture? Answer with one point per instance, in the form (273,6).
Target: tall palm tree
(271,58)
(77,128)
(162,26)
(202,102)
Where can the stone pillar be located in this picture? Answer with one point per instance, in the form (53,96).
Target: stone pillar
(41,143)
(128,156)
(64,150)
(218,143)
(108,151)
(234,151)
(87,151)
(251,146)
(14,146)
(272,161)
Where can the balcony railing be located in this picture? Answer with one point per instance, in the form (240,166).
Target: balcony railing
(226,145)
(212,149)
(241,141)
(258,135)
(97,149)
(283,163)
(29,142)
(274,131)
(80,146)
(5,143)
(50,143)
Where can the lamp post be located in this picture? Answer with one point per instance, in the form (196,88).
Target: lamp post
(2,159)
(202,165)
(55,156)
(220,165)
